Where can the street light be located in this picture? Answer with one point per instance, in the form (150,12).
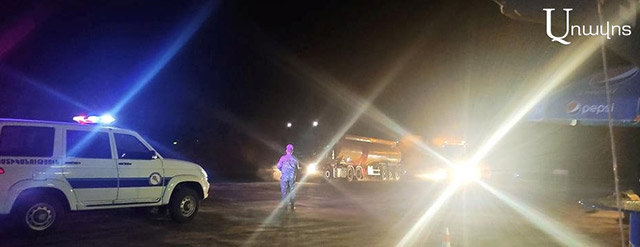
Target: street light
(289,125)
(315,123)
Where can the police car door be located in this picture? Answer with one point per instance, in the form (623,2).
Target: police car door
(140,171)
(90,166)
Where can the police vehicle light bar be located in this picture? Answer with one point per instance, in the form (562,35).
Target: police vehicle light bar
(104,119)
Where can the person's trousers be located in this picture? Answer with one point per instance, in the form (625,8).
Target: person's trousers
(287,187)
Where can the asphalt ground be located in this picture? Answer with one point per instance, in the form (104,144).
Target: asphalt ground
(538,213)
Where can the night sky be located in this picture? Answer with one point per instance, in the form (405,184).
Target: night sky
(448,68)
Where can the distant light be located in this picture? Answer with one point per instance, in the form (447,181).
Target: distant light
(467,172)
(315,123)
(175,143)
(104,119)
(289,125)
(312,168)
(574,122)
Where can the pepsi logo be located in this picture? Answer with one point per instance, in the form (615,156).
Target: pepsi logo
(573,107)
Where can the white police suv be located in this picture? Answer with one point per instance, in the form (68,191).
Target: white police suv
(48,169)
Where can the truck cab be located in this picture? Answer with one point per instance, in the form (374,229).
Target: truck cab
(48,169)
(423,165)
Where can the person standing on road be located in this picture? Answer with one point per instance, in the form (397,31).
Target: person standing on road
(288,165)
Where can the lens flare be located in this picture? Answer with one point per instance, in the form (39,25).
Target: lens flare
(556,73)
(466,173)
(547,224)
(17,75)
(333,87)
(312,168)
(183,36)
(328,85)
(409,238)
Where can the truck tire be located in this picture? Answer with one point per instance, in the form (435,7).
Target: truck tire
(350,173)
(184,204)
(327,173)
(38,215)
(359,173)
(384,173)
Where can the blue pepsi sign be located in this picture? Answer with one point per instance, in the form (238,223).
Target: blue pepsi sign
(585,100)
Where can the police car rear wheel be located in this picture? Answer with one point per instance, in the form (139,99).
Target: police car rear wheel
(184,204)
(39,215)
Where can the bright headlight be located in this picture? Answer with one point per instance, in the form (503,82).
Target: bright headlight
(467,172)
(312,168)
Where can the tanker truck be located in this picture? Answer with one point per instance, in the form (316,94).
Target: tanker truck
(422,165)
(363,158)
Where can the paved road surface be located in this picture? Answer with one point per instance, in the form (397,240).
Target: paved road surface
(352,214)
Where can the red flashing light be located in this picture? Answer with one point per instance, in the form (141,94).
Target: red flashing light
(1,170)
(104,119)
(80,119)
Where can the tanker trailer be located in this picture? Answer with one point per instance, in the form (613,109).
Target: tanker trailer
(363,158)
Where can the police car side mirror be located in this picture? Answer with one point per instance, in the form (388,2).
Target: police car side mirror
(153,155)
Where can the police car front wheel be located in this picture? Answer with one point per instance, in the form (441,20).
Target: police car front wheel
(184,204)
(38,215)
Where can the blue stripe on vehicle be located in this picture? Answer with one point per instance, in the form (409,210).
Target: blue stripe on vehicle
(96,183)
(89,183)
(135,182)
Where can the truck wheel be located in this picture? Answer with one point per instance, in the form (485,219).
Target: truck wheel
(327,173)
(359,173)
(38,215)
(184,204)
(350,173)
(391,173)
(384,173)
